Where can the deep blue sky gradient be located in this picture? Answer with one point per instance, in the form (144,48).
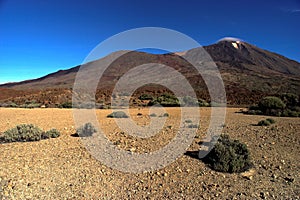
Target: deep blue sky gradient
(38,37)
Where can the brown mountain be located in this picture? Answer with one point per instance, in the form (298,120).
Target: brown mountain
(248,73)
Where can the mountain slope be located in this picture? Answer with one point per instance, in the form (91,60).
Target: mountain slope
(242,54)
(248,73)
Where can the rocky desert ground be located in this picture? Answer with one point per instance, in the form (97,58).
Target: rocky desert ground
(62,168)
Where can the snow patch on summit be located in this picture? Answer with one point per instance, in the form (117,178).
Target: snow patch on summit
(235,44)
(230,39)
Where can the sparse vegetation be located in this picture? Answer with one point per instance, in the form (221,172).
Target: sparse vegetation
(169,100)
(263,123)
(203,103)
(146,97)
(190,101)
(66,105)
(164,115)
(30,104)
(52,133)
(285,106)
(270,105)
(166,100)
(271,120)
(290,100)
(153,115)
(266,122)
(188,121)
(117,114)
(193,126)
(27,132)
(86,130)
(229,156)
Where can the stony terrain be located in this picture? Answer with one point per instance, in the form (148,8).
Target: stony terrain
(62,168)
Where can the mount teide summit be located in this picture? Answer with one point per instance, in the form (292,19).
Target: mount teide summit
(248,73)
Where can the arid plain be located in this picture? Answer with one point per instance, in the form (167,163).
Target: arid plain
(62,168)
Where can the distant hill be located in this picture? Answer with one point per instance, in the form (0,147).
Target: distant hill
(248,73)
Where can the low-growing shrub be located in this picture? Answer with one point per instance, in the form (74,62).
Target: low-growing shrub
(193,126)
(166,100)
(291,100)
(146,97)
(188,121)
(254,112)
(153,115)
(30,105)
(290,113)
(8,105)
(52,133)
(86,130)
(166,115)
(263,123)
(229,156)
(66,105)
(271,106)
(190,101)
(271,103)
(27,132)
(271,120)
(285,106)
(117,114)
(203,103)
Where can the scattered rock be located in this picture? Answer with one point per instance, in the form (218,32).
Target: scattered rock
(289,179)
(248,174)
(274,176)
(263,195)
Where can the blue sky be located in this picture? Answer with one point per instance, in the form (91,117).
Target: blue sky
(38,37)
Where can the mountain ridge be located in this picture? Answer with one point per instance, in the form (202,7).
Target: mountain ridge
(246,70)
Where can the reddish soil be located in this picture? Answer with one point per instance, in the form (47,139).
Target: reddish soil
(62,168)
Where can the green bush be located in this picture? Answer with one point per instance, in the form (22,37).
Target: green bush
(86,130)
(271,102)
(271,120)
(291,100)
(290,113)
(203,103)
(27,132)
(229,156)
(294,114)
(166,115)
(146,97)
(193,126)
(254,112)
(66,105)
(12,105)
(117,114)
(166,100)
(190,101)
(253,107)
(188,121)
(52,133)
(274,106)
(296,108)
(264,123)
(153,115)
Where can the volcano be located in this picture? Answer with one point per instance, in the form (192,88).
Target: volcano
(248,73)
